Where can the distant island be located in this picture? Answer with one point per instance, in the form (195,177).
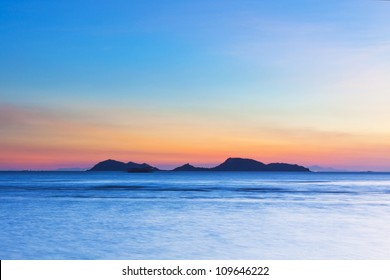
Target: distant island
(231,164)
(317,168)
(114,165)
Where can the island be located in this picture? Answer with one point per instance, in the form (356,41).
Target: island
(230,164)
(114,165)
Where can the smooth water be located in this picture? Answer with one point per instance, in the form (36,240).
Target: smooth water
(194,215)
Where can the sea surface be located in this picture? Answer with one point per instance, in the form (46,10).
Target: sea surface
(194,215)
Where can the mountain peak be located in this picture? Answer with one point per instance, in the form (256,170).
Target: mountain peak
(240,164)
(189,167)
(114,165)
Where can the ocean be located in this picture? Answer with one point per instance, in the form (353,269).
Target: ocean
(194,215)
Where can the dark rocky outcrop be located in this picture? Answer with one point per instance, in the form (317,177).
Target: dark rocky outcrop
(113,165)
(284,167)
(109,165)
(240,164)
(145,169)
(245,164)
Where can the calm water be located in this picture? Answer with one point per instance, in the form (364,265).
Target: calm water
(190,215)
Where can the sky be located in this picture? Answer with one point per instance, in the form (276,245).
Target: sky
(174,82)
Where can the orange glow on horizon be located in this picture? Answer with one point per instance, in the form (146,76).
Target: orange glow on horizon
(42,140)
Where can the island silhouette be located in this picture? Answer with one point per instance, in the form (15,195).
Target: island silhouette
(230,164)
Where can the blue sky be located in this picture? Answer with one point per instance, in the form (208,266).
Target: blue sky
(280,74)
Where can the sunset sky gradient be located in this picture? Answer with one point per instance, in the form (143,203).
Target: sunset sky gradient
(171,82)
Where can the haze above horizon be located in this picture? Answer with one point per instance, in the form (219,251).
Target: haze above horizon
(171,82)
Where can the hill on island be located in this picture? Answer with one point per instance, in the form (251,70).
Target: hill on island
(246,164)
(114,165)
(189,167)
(231,164)
(241,164)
